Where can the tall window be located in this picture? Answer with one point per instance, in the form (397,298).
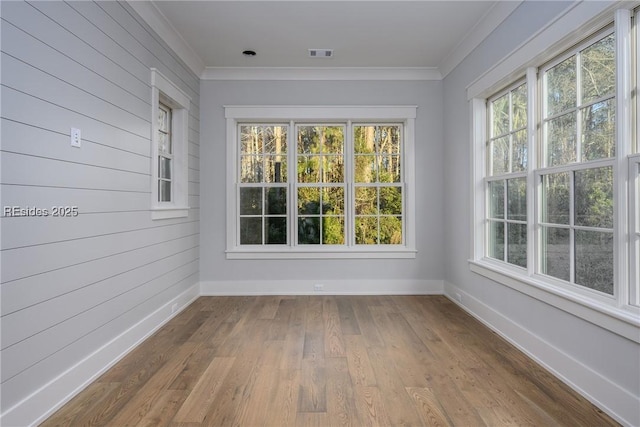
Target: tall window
(165,154)
(320,183)
(506,180)
(169,148)
(263,190)
(378,184)
(578,148)
(321,186)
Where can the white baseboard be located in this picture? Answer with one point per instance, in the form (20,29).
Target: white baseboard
(619,403)
(329,287)
(49,398)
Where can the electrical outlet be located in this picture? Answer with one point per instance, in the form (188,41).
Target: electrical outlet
(318,288)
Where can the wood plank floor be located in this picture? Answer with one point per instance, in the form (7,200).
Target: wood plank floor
(326,361)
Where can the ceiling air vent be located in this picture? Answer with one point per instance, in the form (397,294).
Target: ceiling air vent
(320,53)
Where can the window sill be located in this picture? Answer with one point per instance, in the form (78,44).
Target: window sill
(168,213)
(624,321)
(321,253)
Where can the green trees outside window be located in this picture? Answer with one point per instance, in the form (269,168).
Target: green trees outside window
(344,189)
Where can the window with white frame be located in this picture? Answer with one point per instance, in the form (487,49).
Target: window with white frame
(506,181)
(576,219)
(165,153)
(320,181)
(169,148)
(561,176)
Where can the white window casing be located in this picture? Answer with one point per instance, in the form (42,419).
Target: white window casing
(166,92)
(347,116)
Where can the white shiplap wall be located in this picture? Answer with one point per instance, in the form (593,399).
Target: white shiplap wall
(69,286)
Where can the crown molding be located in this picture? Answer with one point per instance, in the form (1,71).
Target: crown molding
(167,32)
(320,73)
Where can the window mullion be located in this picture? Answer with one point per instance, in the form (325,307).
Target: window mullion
(349,191)
(533,187)
(624,137)
(292,145)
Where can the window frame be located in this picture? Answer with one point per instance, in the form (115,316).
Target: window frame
(504,177)
(165,92)
(304,115)
(613,313)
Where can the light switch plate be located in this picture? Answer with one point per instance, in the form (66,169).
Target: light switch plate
(76,138)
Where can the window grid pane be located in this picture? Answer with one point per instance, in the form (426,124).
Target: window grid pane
(507,156)
(321,184)
(165,157)
(262,193)
(378,201)
(576,214)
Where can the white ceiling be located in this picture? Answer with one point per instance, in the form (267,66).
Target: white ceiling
(400,34)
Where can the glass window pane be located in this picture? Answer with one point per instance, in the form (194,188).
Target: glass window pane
(599,130)
(496,240)
(250,231)
(519,154)
(555,252)
(390,230)
(333,139)
(309,230)
(517,244)
(365,169)
(500,119)
(366,230)
(561,87)
(519,107)
(332,230)
(598,69)
(308,140)
(389,168)
(389,139)
(276,203)
(275,139)
(366,201)
(555,198)
(275,230)
(500,155)
(561,140)
(333,200)
(364,141)
(391,200)
(251,168)
(309,169)
(594,197)
(251,139)
(496,199)
(308,201)
(164,191)
(594,260)
(333,169)
(517,199)
(164,143)
(164,167)
(251,201)
(276,169)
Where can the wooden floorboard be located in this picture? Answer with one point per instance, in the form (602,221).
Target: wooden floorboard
(326,361)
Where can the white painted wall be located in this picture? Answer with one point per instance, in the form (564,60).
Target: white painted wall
(422,274)
(603,365)
(72,285)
